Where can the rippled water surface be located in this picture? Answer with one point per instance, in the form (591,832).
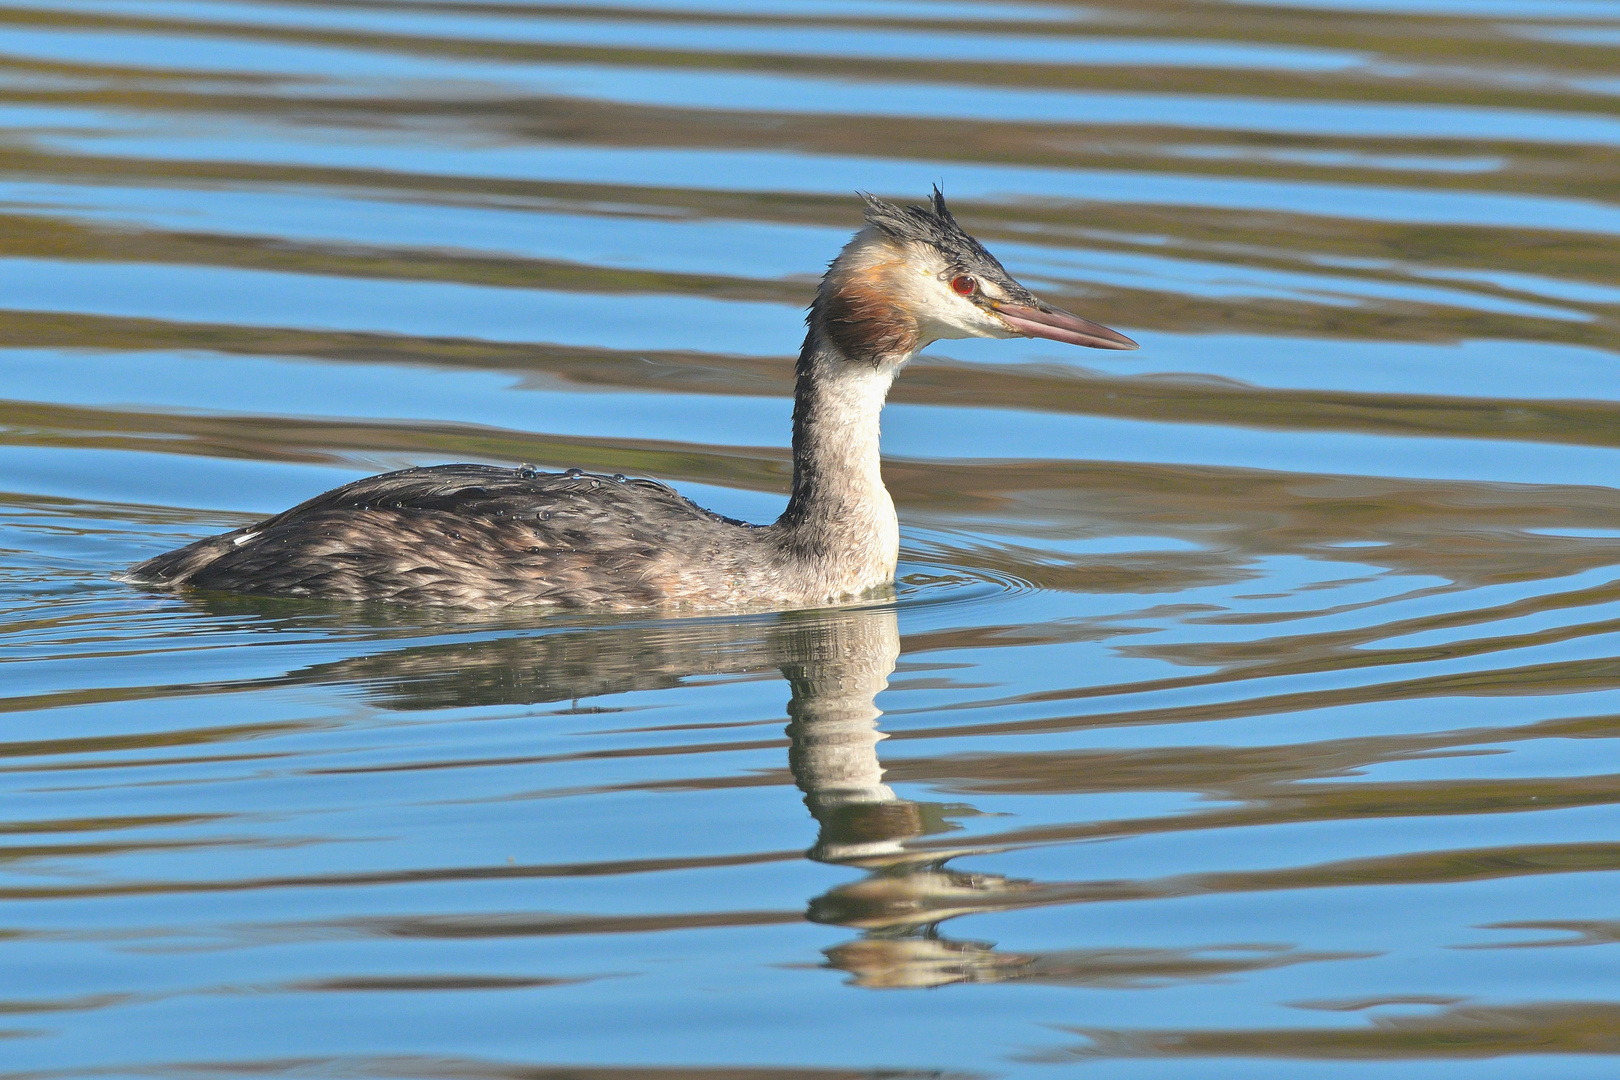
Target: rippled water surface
(1250,704)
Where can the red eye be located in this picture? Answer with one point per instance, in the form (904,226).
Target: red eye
(964,285)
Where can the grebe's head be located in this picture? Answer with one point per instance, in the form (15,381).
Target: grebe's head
(913,276)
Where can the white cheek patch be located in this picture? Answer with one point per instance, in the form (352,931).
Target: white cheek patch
(942,313)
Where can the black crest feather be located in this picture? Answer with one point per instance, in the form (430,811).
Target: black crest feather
(934,225)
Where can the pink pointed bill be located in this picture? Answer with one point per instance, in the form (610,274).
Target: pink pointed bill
(1061,326)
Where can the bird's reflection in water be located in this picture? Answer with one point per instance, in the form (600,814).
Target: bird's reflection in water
(836,663)
(836,668)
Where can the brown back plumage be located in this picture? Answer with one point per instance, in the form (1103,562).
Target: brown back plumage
(466,535)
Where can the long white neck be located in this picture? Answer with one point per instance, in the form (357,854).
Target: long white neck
(840,518)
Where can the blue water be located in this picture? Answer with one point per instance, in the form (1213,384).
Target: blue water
(1247,705)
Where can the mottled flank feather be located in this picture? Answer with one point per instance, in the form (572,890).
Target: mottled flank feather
(475,536)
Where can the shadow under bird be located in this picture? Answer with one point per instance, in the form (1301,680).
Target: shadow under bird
(480,536)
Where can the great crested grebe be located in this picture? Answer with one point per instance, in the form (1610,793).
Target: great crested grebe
(478,536)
